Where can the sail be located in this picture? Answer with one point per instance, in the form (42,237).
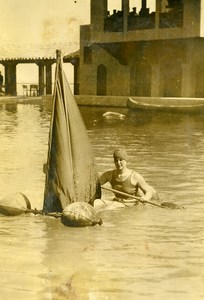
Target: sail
(71,171)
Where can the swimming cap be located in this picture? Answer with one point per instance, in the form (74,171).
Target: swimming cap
(120,154)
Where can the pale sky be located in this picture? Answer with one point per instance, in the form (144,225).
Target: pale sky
(36,28)
(41,23)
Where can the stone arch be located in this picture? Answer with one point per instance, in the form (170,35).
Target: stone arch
(101,80)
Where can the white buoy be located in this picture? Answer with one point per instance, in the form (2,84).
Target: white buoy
(79,214)
(14,204)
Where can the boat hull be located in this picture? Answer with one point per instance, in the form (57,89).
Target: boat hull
(166,105)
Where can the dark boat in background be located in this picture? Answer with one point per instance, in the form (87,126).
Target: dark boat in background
(176,105)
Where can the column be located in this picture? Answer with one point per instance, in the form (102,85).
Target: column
(10,79)
(98,14)
(143,11)
(48,78)
(75,63)
(157,14)
(125,9)
(41,79)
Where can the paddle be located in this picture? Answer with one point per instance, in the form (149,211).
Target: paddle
(162,205)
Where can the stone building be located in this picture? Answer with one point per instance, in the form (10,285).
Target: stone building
(138,52)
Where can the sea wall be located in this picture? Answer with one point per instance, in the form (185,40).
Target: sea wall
(116,101)
(121,101)
(106,101)
(90,100)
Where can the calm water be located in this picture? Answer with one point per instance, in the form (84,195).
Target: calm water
(138,253)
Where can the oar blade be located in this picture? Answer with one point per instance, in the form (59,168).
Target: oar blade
(171,205)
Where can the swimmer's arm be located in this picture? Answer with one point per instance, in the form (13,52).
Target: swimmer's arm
(105,177)
(147,189)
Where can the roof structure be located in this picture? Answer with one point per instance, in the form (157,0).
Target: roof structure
(34,51)
(72,56)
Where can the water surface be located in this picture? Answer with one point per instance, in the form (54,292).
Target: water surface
(142,252)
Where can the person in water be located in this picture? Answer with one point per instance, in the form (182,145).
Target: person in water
(126,180)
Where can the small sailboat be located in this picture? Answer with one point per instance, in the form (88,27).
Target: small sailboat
(71,184)
(71,170)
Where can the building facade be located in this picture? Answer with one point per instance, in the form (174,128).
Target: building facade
(157,52)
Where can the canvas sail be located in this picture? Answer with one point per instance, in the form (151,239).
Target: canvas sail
(71,171)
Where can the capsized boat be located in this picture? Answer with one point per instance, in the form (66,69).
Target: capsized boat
(71,170)
(177,105)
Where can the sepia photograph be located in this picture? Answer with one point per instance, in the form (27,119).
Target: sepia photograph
(101,149)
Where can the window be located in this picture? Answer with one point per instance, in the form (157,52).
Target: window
(87,55)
